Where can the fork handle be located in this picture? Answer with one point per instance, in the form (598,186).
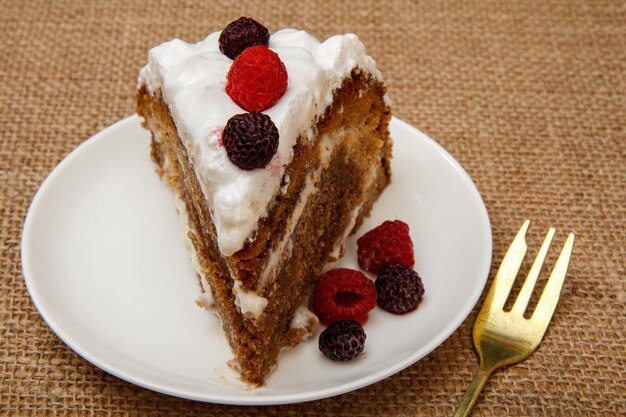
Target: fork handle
(472,393)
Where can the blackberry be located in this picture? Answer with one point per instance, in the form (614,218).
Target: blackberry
(400,289)
(240,34)
(251,140)
(343,340)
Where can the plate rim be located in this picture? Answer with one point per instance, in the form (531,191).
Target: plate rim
(262,399)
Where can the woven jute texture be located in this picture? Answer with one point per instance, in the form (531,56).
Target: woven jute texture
(529,96)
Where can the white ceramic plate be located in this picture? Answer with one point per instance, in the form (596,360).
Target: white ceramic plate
(104,263)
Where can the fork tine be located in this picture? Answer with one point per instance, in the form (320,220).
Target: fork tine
(505,277)
(550,296)
(529,284)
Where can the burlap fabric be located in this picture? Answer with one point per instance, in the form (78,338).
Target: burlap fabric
(530,97)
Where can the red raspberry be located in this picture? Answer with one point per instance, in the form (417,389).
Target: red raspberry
(241,34)
(343,294)
(342,341)
(399,288)
(385,245)
(257,79)
(250,140)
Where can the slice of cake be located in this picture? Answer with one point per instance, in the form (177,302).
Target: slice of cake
(276,147)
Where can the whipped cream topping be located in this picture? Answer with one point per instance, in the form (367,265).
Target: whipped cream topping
(192,80)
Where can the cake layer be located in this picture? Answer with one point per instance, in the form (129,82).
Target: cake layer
(336,173)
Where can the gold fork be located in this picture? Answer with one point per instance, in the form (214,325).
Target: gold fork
(507,337)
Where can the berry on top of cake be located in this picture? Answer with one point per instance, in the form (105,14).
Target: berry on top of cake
(257,79)
(241,34)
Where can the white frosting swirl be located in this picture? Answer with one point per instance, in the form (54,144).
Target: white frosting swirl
(192,78)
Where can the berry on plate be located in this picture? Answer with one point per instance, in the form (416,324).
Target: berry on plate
(257,79)
(250,140)
(385,245)
(343,294)
(400,289)
(343,340)
(241,34)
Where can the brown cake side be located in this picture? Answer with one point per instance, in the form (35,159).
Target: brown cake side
(352,179)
